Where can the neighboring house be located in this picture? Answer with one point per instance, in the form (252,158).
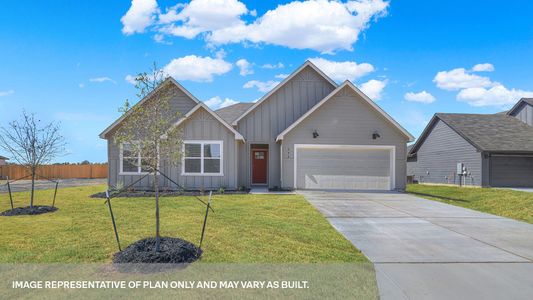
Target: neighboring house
(495,149)
(3,161)
(306,133)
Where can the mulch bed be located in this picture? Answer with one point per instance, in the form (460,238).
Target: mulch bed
(136,194)
(35,210)
(173,251)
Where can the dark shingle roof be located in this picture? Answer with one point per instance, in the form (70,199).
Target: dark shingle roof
(495,132)
(3,157)
(528,100)
(232,112)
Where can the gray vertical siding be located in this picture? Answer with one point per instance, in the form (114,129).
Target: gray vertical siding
(200,126)
(273,115)
(345,119)
(437,157)
(525,114)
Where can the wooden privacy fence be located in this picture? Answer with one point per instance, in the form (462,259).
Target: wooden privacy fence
(57,171)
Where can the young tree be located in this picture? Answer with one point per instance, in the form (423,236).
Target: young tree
(148,132)
(31,144)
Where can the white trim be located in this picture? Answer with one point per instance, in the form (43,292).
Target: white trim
(277,87)
(121,118)
(331,95)
(392,157)
(238,136)
(139,160)
(202,158)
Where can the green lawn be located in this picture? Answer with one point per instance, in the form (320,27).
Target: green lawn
(506,203)
(244,228)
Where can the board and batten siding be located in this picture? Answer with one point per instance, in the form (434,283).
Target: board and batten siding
(437,158)
(525,114)
(345,119)
(199,126)
(275,114)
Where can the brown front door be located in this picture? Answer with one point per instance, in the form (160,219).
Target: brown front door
(259,166)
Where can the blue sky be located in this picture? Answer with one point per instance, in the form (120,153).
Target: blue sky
(68,61)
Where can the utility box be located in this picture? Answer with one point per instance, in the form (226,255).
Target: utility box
(460,168)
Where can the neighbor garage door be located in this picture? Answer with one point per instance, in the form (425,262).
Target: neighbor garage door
(346,168)
(511,171)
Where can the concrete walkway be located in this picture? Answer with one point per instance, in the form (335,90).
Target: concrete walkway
(424,249)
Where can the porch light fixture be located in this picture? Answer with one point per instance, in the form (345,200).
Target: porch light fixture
(375,135)
(315,134)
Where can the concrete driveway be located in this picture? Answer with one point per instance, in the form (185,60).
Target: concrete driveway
(424,249)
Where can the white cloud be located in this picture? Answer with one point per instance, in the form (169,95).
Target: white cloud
(199,16)
(196,68)
(479,90)
(345,70)
(130,79)
(273,66)
(325,26)
(281,76)
(460,78)
(497,95)
(245,67)
(322,25)
(102,79)
(262,86)
(81,85)
(373,88)
(217,102)
(486,67)
(6,93)
(140,15)
(421,97)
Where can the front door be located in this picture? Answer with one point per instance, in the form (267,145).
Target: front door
(259,166)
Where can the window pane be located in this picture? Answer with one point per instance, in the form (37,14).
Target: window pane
(212,166)
(127,150)
(144,166)
(192,165)
(129,165)
(212,150)
(193,150)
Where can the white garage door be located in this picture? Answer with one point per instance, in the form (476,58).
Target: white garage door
(344,168)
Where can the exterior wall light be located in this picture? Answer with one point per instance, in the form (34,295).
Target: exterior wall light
(375,135)
(315,134)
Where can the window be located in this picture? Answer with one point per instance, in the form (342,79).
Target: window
(131,162)
(202,158)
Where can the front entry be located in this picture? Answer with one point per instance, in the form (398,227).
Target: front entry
(259,166)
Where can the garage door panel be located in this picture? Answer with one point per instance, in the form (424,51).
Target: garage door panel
(511,171)
(343,169)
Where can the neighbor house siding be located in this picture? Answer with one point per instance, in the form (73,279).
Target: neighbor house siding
(437,157)
(273,115)
(525,114)
(345,119)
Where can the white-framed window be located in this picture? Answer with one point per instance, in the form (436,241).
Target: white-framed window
(202,158)
(131,163)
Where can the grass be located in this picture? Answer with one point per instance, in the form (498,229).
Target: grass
(244,228)
(502,202)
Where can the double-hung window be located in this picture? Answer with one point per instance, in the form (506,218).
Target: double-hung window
(202,158)
(131,162)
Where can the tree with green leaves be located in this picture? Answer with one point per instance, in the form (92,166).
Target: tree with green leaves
(147,131)
(31,144)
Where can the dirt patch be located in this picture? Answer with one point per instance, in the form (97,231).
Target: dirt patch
(35,210)
(173,251)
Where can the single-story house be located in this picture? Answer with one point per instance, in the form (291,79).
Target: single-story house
(490,150)
(3,160)
(306,133)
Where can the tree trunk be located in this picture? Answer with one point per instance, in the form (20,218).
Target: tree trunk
(157,237)
(32,186)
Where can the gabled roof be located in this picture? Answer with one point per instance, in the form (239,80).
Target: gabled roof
(232,112)
(348,84)
(238,136)
(486,132)
(281,84)
(518,104)
(167,81)
(3,157)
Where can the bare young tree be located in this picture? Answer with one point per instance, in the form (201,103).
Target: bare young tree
(31,144)
(147,131)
